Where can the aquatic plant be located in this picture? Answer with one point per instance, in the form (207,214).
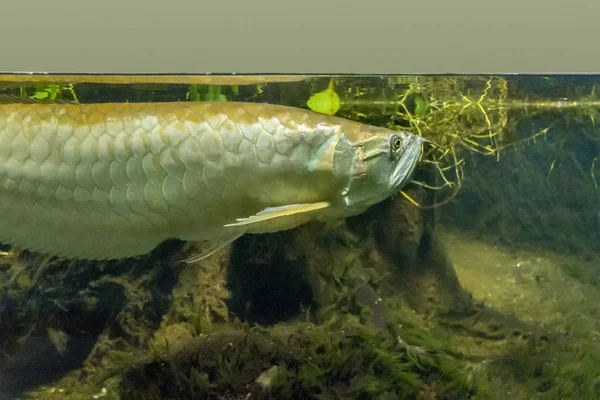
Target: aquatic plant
(467,115)
(325,102)
(208,93)
(50,91)
(299,361)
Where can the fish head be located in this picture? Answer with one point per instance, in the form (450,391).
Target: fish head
(376,165)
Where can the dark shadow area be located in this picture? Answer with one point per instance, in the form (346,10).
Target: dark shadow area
(37,362)
(79,300)
(266,286)
(32,359)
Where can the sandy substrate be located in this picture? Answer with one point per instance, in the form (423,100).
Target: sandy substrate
(557,292)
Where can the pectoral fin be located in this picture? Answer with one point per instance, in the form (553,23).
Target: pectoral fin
(279,218)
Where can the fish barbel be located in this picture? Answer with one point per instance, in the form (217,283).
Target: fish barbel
(114,180)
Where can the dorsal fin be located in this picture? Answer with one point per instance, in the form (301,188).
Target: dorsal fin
(15,99)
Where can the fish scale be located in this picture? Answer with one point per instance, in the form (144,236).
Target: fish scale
(106,181)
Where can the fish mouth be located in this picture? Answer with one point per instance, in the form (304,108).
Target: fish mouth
(407,163)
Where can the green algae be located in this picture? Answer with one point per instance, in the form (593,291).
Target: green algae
(311,361)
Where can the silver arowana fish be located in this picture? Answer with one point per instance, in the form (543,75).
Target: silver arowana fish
(114,180)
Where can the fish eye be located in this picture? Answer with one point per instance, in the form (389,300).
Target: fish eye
(396,143)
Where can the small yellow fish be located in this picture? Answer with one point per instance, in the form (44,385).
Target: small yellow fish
(108,181)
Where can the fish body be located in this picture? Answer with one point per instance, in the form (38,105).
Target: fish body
(114,180)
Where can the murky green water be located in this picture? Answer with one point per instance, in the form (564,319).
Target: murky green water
(479,281)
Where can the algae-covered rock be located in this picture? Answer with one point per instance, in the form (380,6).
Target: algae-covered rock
(299,361)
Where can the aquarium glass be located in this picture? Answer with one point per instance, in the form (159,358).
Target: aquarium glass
(478,279)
